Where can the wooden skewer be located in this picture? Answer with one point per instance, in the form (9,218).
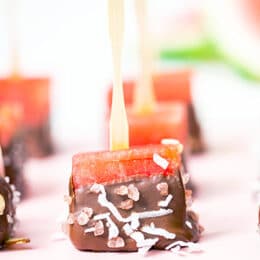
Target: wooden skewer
(144,98)
(13,37)
(119,137)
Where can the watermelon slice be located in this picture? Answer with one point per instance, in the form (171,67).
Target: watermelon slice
(107,167)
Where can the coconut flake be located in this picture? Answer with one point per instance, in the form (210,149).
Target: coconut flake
(160,161)
(152,230)
(99,228)
(88,211)
(82,218)
(188,224)
(163,188)
(126,204)
(133,192)
(116,242)
(165,203)
(121,191)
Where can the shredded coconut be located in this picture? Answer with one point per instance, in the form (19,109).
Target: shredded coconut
(160,161)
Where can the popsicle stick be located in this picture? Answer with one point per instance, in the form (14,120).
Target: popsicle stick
(119,138)
(13,37)
(2,169)
(144,98)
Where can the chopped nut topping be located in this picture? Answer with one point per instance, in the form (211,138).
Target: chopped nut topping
(162,188)
(99,228)
(133,192)
(116,242)
(88,211)
(127,204)
(82,218)
(2,204)
(122,190)
(67,199)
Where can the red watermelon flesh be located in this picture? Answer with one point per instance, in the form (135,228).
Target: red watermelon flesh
(167,87)
(106,167)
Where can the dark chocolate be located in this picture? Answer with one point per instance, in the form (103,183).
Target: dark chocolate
(88,230)
(38,141)
(14,158)
(7,211)
(196,143)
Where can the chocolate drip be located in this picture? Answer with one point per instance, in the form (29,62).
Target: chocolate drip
(178,224)
(7,211)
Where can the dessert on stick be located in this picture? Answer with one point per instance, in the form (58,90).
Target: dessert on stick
(12,144)
(9,198)
(32,94)
(110,203)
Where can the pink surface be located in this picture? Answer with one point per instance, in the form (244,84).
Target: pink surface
(224,202)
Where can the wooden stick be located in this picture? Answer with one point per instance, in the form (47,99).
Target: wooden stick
(144,98)
(119,138)
(13,37)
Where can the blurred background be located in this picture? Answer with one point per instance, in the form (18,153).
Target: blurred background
(68,42)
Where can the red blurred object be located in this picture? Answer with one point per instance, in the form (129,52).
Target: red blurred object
(105,167)
(169,120)
(252,8)
(10,121)
(167,87)
(32,94)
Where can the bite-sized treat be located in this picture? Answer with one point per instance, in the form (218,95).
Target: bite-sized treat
(168,121)
(33,95)
(111,207)
(7,211)
(12,145)
(168,88)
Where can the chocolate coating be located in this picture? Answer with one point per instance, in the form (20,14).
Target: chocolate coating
(149,196)
(14,158)
(38,141)
(196,143)
(6,226)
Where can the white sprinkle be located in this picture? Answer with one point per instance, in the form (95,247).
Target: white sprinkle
(122,190)
(89,230)
(188,224)
(135,223)
(96,188)
(101,216)
(165,203)
(158,231)
(116,242)
(160,161)
(172,141)
(192,247)
(7,179)
(113,230)
(88,211)
(128,229)
(82,218)
(133,192)
(99,228)
(9,219)
(2,204)
(163,188)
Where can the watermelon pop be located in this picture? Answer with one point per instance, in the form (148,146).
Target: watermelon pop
(110,202)
(12,144)
(31,93)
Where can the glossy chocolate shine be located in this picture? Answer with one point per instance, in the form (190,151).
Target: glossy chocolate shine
(6,226)
(179,222)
